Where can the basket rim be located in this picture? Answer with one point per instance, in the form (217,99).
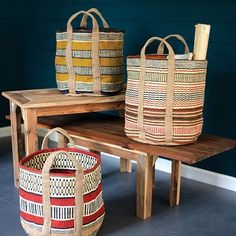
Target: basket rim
(161,57)
(89,30)
(30,156)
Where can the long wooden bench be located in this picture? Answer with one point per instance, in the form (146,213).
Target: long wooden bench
(103,133)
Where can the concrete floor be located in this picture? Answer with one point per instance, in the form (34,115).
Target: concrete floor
(204,211)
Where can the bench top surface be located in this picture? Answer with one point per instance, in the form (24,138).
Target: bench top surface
(110,129)
(39,98)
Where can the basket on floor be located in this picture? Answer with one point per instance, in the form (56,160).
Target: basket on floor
(89,61)
(164,97)
(61,191)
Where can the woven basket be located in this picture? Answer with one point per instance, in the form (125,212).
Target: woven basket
(61,191)
(89,61)
(164,97)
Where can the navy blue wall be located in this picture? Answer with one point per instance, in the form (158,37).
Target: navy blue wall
(142,19)
(11,49)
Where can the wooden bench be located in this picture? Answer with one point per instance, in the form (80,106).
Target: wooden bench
(103,133)
(106,134)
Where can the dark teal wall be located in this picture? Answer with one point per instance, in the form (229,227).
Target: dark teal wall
(11,50)
(142,19)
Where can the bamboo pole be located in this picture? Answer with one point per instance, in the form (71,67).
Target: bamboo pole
(201,39)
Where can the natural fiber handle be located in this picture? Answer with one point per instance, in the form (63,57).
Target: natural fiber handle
(83,22)
(58,130)
(160,49)
(78,210)
(95,55)
(170,88)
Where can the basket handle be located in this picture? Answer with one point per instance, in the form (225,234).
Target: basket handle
(78,210)
(59,130)
(83,22)
(169,90)
(160,49)
(95,55)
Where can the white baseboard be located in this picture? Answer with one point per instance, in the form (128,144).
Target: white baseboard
(200,175)
(197,174)
(209,177)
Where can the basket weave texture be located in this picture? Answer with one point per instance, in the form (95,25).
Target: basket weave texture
(89,61)
(68,201)
(164,98)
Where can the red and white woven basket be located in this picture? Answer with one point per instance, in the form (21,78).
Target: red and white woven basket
(61,192)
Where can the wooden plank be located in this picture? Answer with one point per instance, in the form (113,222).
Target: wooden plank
(144,186)
(125,165)
(30,131)
(16,98)
(104,140)
(104,147)
(40,98)
(57,121)
(79,108)
(174,195)
(112,131)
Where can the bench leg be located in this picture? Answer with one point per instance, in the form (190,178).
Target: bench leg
(153,171)
(30,131)
(125,165)
(144,186)
(62,141)
(175,182)
(16,138)
(96,152)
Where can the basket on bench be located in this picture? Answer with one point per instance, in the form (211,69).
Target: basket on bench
(61,191)
(164,97)
(89,61)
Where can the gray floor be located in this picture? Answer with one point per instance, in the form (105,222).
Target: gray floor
(204,209)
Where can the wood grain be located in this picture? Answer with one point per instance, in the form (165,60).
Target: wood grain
(15,116)
(30,131)
(125,165)
(44,98)
(144,186)
(16,98)
(174,195)
(110,130)
(79,108)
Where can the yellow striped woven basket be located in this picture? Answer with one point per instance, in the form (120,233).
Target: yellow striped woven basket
(89,61)
(164,97)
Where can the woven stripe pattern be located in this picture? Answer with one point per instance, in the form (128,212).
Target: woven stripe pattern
(110,58)
(188,100)
(62,193)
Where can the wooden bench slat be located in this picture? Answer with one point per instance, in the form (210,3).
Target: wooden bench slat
(111,129)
